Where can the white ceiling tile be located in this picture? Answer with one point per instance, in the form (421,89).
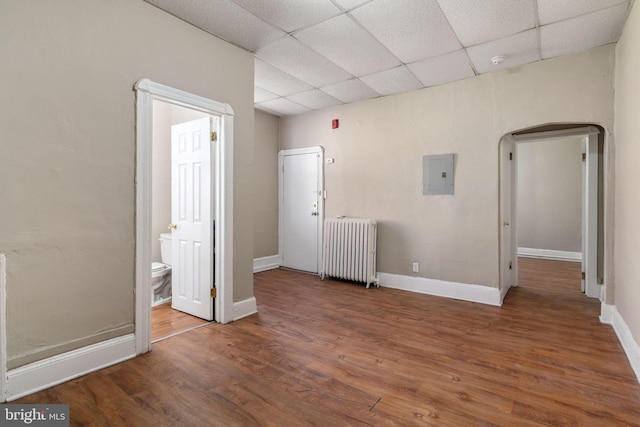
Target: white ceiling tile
(261,95)
(350,4)
(583,33)
(519,49)
(395,80)
(478,22)
(266,110)
(411,29)
(553,10)
(350,91)
(283,106)
(443,69)
(302,62)
(314,99)
(276,81)
(223,19)
(291,15)
(347,45)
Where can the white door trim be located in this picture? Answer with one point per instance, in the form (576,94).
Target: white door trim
(146,92)
(293,152)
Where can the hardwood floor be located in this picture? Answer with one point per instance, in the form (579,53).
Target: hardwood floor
(335,354)
(166,322)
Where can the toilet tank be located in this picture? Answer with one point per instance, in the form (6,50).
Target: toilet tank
(165,248)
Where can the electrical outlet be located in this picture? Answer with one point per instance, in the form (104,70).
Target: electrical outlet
(416,267)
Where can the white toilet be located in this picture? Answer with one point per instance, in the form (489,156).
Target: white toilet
(161,273)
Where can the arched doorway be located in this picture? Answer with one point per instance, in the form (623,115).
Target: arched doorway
(591,254)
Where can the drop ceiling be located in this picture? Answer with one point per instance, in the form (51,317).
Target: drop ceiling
(313,54)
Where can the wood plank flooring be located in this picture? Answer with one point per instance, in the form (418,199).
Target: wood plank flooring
(166,322)
(328,353)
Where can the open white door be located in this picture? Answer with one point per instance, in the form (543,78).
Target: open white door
(301,212)
(192,221)
(508,260)
(590,284)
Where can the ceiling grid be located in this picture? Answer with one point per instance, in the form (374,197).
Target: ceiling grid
(312,54)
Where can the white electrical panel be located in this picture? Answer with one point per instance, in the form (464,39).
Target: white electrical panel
(437,174)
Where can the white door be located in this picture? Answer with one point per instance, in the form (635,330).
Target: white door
(590,284)
(508,268)
(301,210)
(191,217)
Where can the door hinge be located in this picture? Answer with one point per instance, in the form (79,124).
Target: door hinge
(584,275)
(213,292)
(510,265)
(510,156)
(584,157)
(214,136)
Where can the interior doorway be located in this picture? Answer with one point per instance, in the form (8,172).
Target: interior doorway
(591,236)
(147,92)
(182,194)
(549,199)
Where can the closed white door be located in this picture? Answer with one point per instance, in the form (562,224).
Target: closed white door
(191,217)
(301,213)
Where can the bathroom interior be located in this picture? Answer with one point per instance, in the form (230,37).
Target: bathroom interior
(165,321)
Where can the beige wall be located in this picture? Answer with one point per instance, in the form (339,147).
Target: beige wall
(68,159)
(161,176)
(265,215)
(627,200)
(549,201)
(379,146)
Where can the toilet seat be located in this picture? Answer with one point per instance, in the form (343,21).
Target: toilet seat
(159,269)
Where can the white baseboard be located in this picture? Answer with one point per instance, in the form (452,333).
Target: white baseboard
(67,366)
(266,263)
(550,254)
(441,288)
(244,308)
(610,316)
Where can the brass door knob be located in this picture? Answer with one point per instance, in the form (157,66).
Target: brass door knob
(172,226)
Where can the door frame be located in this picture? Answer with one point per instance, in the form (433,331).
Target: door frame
(508,204)
(295,152)
(146,92)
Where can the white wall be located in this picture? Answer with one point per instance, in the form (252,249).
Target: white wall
(627,195)
(67,168)
(379,146)
(549,201)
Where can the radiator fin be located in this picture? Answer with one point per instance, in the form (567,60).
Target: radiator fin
(349,249)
